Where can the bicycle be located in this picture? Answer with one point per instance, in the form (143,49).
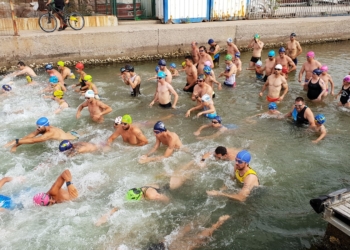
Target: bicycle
(48,21)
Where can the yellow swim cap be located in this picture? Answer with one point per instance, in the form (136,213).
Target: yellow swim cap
(127,119)
(183,64)
(60,63)
(58,94)
(88,78)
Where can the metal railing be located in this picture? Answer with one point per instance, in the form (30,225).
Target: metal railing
(258,9)
(8,26)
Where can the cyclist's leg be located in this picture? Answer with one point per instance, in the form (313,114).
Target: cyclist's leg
(58,12)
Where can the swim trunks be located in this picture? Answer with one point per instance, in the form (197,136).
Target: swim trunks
(295,60)
(190,89)
(213,96)
(265,78)
(259,76)
(255,59)
(269,99)
(165,106)
(229,85)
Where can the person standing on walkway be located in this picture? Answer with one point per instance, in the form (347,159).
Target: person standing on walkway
(293,48)
(57,6)
(257,46)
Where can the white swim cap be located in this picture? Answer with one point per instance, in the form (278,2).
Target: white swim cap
(229,40)
(89,93)
(206,98)
(278,66)
(118,120)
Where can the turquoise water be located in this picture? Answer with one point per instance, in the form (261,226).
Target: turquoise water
(291,169)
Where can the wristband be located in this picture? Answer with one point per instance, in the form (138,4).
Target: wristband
(17,141)
(68,183)
(203,159)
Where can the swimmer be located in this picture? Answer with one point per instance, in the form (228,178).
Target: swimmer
(244,175)
(308,67)
(208,108)
(96,108)
(301,114)
(57,194)
(173,70)
(89,85)
(215,123)
(133,80)
(52,72)
(165,70)
(203,58)
(46,133)
(25,70)
(272,113)
(163,136)
(72,149)
(344,93)
(79,68)
(200,89)
(154,77)
(221,153)
(237,61)
(58,97)
(210,78)
(191,74)
(259,70)
(214,51)
(230,72)
(293,48)
(6,203)
(231,47)
(183,67)
(5,89)
(320,128)
(163,93)
(286,62)
(53,86)
(130,133)
(275,83)
(327,78)
(316,88)
(257,46)
(195,52)
(270,64)
(65,71)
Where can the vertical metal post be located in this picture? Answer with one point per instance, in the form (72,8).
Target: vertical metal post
(134,5)
(15,30)
(153,4)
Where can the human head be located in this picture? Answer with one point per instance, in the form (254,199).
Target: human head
(21,65)
(134,194)
(58,93)
(172,65)
(324,68)
(161,75)
(256,37)
(207,70)
(320,119)
(157,69)
(206,98)
(292,36)
(278,69)
(53,80)
(129,68)
(41,199)
(210,41)
(118,121)
(258,63)
(238,55)
(159,127)
(48,67)
(162,62)
(193,44)
(346,79)
(65,145)
(271,53)
(243,157)
(228,57)
(42,122)
(229,40)
(127,119)
(220,152)
(272,105)
(60,64)
(282,50)
(299,103)
(89,94)
(310,55)
(216,120)
(317,72)
(202,50)
(122,70)
(183,64)
(6,87)
(79,66)
(200,78)
(189,60)
(88,78)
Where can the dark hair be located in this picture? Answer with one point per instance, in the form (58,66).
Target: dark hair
(203,47)
(189,58)
(20,63)
(299,99)
(221,150)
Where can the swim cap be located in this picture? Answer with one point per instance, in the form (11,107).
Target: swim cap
(157,69)
(244,155)
(210,41)
(207,63)
(310,54)
(43,121)
(65,145)
(317,71)
(122,69)
(58,93)
(118,120)
(271,53)
(127,119)
(134,194)
(200,77)
(162,62)
(53,79)
(41,199)
(346,78)
(207,70)
(48,67)
(6,87)
(183,64)
(90,94)
(229,40)
(60,63)
(206,98)
(320,118)
(129,68)
(88,78)
(238,54)
(282,49)
(293,34)
(324,68)
(218,118)
(278,66)
(256,36)
(159,126)
(173,65)
(228,57)
(272,105)
(258,63)
(79,65)
(161,74)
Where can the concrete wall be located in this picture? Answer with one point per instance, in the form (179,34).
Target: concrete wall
(155,39)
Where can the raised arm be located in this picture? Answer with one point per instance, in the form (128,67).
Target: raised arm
(80,108)
(113,137)
(322,135)
(140,137)
(106,109)
(5,180)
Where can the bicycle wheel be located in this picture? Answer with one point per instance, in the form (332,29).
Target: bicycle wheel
(76,21)
(48,22)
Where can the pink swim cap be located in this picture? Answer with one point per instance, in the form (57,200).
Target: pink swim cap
(207,63)
(310,54)
(324,68)
(41,199)
(346,78)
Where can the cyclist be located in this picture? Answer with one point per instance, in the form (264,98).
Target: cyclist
(57,7)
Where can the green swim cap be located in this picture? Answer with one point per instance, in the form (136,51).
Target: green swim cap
(134,194)
(60,63)
(127,119)
(228,57)
(256,36)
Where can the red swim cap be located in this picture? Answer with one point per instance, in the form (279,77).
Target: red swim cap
(79,66)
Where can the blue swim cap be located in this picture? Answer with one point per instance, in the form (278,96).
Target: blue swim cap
(218,118)
(6,87)
(320,118)
(207,70)
(272,105)
(317,71)
(48,67)
(210,41)
(157,69)
(173,65)
(238,54)
(282,49)
(162,62)
(65,145)
(43,121)
(53,79)
(161,74)
(271,53)
(159,126)
(244,155)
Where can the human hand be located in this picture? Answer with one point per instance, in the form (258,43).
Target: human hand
(188,113)
(78,115)
(261,94)
(197,133)
(173,107)
(185,88)
(299,80)
(143,159)
(151,104)
(213,193)
(315,141)
(219,87)
(13,149)
(73,192)
(9,144)
(199,114)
